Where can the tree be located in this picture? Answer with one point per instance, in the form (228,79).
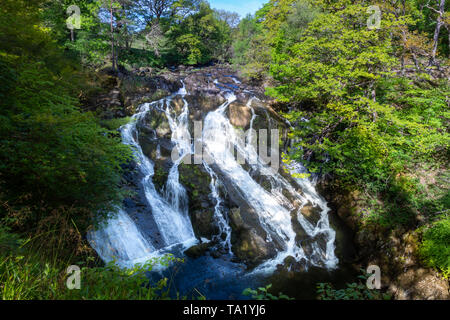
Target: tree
(52,154)
(112,9)
(439,10)
(199,38)
(232,19)
(334,66)
(251,53)
(155,9)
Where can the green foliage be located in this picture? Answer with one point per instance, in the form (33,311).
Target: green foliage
(251,54)
(353,291)
(8,241)
(199,38)
(366,127)
(184,32)
(113,283)
(115,124)
(435,247)
(27,277)
(263,293)
(51,151)
(73,158)
(35,268)
(91,45)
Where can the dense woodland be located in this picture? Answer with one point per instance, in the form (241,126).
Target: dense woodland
(376,103)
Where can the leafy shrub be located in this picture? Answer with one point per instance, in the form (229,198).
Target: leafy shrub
(52,153)
(435,247)
(111,282)
(353,291)
(27,272)
(264,294)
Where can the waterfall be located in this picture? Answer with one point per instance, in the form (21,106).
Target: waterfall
(273,208)
(219,214)
(170,213)
(175,193)
(121,239)
(323,226)
(170,216)
(274,218)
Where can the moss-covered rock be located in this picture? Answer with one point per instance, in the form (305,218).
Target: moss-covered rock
(248,244)
(311,213)
(197,181)
(198,250)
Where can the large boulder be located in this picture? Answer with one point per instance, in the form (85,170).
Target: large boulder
(311,213)
(240,115)
(201,104)
(249,244)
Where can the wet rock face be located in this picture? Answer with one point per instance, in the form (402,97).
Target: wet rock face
(251,248)
(201,105)
(198,250)
(240,115)
(248,238)
(143,85)
(250,242)
(204,96)
(201,206)
(311,213)
(155,141)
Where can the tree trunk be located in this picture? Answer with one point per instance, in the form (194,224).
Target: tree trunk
(439,24)
(416,62)
(113,55)
(435,41)
(448,30)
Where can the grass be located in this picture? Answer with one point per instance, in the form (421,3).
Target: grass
(32,270)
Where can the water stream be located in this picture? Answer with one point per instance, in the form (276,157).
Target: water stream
(121,239)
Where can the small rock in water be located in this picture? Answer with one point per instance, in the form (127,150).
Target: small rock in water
(198,250)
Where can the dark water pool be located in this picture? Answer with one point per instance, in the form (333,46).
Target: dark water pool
(222,279)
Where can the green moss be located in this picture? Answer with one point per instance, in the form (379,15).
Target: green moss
(160,178)
(159,94)
(115,124)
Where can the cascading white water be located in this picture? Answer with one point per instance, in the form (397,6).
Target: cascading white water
(121,239)
(171,217)
(323,225)
(219,213)
(218,133)
(175,193)
(174,224)
(273,215)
